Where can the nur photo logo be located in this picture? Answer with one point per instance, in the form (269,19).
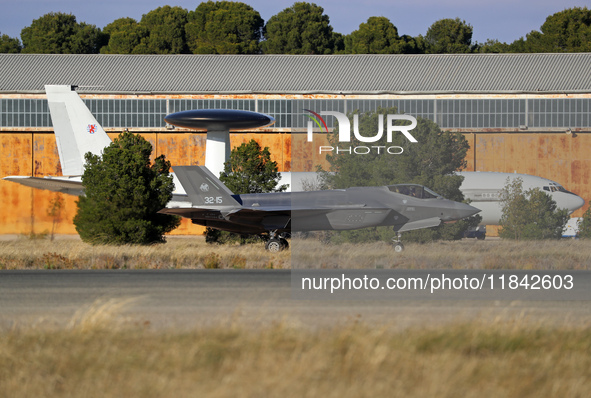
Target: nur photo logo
(345,132)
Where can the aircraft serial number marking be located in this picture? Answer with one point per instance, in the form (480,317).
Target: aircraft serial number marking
(210,200)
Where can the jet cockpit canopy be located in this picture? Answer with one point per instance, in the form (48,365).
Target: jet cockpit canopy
(414,190)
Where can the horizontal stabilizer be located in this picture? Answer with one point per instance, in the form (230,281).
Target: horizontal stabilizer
(70,186)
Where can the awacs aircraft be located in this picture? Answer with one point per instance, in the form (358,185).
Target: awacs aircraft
(484,191)
(404,207)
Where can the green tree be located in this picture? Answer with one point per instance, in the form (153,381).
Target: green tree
(224,27)
(125,34)
(165,27)
(59,33)
(56,205)
(494,46)
(438,153)
(124,190)
(449,36)
(530,214)
(301,29)
(430,162)
(9,45)
(584,225)
(565,31)
(249,170)
(378,36)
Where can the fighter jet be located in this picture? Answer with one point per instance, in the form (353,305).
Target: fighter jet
(404,207)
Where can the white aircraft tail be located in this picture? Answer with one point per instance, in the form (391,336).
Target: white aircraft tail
(76,130)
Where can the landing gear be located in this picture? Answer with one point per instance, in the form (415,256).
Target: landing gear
(276,243)
(397,243)
(273,245)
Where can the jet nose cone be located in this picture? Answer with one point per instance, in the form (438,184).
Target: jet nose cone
(459,211)
(573,202)
(466,210)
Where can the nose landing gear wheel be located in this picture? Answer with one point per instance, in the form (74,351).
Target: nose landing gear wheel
(398,246)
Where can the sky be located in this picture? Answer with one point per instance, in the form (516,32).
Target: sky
(503,20)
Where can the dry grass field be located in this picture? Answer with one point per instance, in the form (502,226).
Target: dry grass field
(190,252)
(464,254)
(193,252)
(101,354)
(96,356)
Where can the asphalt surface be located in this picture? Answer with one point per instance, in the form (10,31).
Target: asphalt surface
(198,298)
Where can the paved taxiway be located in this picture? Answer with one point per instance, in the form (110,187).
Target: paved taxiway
(194,298)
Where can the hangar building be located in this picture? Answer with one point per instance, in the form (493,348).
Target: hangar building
(524,113)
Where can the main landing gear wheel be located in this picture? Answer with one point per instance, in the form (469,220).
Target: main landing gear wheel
(274,245)
(276,242)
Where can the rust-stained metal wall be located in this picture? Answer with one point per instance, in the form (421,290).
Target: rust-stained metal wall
(564,158)
(24,210)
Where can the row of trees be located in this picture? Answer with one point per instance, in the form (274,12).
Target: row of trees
(225,27)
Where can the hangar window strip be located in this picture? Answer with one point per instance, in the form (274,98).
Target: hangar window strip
(290,113)
(128,112)
(481,113)
(279,109)
(559,112)
(414,107)
(24,113)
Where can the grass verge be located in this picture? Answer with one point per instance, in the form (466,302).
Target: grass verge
(193,252)
(176,253)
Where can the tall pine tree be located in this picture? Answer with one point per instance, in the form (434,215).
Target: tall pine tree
(124,190)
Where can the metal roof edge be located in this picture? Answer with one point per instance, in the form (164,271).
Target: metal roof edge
(343,93)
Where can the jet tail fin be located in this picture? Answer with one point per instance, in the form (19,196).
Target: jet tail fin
(76,130)
(203,188)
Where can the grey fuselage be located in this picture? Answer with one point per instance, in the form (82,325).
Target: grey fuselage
(342,209)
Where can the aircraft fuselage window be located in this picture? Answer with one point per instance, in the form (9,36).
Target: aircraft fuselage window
(555,188)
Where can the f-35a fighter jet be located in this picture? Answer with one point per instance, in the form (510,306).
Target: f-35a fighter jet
(404,207)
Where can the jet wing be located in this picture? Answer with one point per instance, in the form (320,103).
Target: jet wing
(426,223)
(264,211)
(70,186)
